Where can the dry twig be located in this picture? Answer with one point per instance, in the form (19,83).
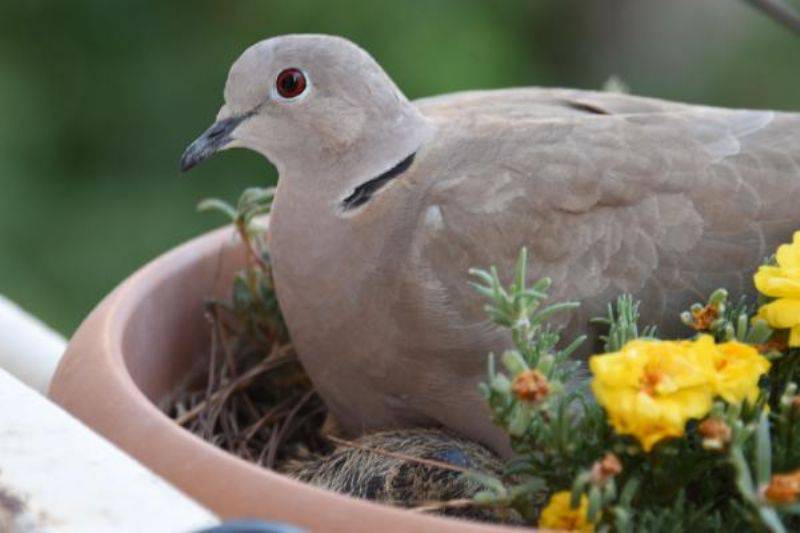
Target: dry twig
(395,455)
(433,507)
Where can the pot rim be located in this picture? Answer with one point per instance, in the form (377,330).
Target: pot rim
(93,383)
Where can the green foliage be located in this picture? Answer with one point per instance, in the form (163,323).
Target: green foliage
(519,309)
(253,301)
(542,433)
(699,482)
(622,322)
(254,201)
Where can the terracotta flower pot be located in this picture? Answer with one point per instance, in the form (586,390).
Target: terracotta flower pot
(137,345)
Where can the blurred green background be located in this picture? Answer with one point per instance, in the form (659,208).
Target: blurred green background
(98,98)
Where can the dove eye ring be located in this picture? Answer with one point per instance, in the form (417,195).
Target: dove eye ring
(291,83)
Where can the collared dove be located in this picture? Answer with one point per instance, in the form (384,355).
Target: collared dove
(383,205)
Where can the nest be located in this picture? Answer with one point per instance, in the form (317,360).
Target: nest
(251,397)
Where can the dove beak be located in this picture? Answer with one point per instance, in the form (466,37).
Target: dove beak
(213,140)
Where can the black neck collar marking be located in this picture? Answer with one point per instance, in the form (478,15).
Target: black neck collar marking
(363,193)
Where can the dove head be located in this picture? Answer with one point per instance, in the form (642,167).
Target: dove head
(314,105)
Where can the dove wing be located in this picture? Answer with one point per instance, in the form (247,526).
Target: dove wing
(538,102)
(665,201)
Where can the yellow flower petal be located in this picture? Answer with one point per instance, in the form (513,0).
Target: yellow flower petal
(788,255)
(782,282)
(781,314)
(776,282)
(794,337)
(738,367)
(559,515)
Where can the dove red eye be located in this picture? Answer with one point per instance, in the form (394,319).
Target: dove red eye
(291,83)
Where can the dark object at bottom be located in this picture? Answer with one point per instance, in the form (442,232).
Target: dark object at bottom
(251,526)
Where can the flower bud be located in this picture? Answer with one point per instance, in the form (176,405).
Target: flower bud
(796,404)
(715,432)
(531,386)
(775,344)
(704,317)
(606,468)
(783,488)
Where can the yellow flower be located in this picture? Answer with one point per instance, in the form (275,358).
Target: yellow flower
(651,388)
(737,368)
(558,514)
(783,283)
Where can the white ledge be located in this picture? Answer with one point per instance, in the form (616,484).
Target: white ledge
(28,349)
(58,476)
